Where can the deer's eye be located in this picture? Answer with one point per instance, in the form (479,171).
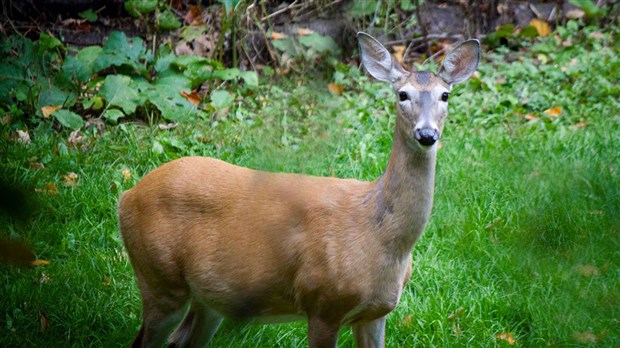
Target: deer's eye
(444,96)
(402,96)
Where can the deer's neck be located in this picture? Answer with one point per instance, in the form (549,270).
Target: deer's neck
(403,195)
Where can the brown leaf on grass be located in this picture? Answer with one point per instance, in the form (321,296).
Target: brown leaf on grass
(23,137)
(588,270)
(49,109)
(555,111)
(192,97)
(43,324)
(304,31)
(530,117)
(507,337)
(76,138)
(96,123)
(37,165)
(335,88)
(70,179)
(542,27)
(126,175)
(457,313)
(407,319)
(596,35)
(586,337)
(278,36)
(399,50)
(38,262)
(167,126)
(106,280)
(581,124)
(49,189)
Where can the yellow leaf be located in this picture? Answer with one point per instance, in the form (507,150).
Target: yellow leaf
(556,111)
(335,88)
(50,189)
(126,175)
(542,27)
(508,337)
(40,263)
(49,109)
(304,31)
(399,50)
(278,36)
(70,179)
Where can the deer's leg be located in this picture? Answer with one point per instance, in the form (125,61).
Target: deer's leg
(322,333)
(198,327)
(370,334)
(161,313)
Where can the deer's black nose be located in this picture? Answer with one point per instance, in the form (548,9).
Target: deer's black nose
(426,136)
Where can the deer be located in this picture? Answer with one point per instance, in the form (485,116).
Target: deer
(209,240)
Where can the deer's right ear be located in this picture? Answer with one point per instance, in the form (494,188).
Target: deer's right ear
(377,60)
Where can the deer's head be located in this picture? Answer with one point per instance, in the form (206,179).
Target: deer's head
(422,95)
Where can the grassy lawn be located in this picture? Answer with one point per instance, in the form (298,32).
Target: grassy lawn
(523,244)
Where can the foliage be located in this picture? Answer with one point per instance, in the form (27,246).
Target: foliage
(117,80)
(521,250)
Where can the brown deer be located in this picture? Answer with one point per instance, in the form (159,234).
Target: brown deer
(244,244)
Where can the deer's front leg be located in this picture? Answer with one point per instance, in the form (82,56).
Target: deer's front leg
(370,334)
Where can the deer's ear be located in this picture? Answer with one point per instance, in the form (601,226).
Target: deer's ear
(377,60)
(461,62)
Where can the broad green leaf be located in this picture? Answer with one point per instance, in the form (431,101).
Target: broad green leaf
(286,45)
(48,42)
(319,43)
(157,148)
(140,7)
(68,118)
(221,99)
(589,7)
(192,32)
(56,96)
(167,20)
(227,74)
(89,15)
(113,115)
(250,78)
(117,92)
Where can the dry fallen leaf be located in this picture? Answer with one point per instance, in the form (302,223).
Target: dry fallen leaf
(508,337)
(581,124)
(126,175)
(50,189)
(40,263)
(407,319)
(23,137)
(193,15)
(530,117)
(304,31)
(43,323)
(168,126)
(575,14)
(192,97)
(335,88)
(70,179)
(457,313)
(106,280)
(542,27)
(556,111)
(399,50)
(76,138)
(278,36)
(37,165)
(586,337)
(588,270)
(49,109)
(44,278)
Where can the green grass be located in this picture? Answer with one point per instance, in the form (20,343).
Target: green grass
(524,237)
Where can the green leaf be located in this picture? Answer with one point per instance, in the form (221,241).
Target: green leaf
(589,7)
(528,32)
(55,96)
(221,99)
(89,15)
(117,92)
(47,42)
(68,118)
(319,43)
(167,20)
(227,74)
(113,115)
(157,148)
(192,32)
(250,78)
(140,7)
(286,45)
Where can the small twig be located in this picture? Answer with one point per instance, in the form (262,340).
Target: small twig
(279,11)
(434,55)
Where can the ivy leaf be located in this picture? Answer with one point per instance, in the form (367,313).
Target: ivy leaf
(319,43)
(250,78)
(117,92)
(166,20)
(89,15)
(68,118)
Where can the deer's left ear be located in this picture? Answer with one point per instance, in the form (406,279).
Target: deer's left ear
(377,60)
(461,62)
